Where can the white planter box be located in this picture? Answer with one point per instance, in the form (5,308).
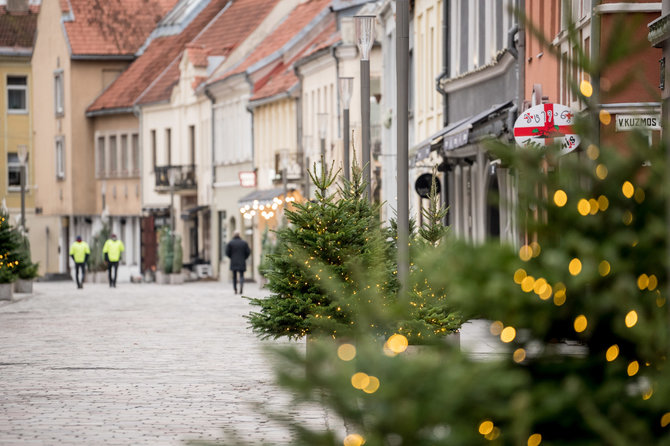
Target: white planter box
(6,291)
(23,286)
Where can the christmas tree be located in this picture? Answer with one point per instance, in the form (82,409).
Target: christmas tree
(9,250)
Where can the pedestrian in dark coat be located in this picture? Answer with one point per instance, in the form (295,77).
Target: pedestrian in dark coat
(238,251)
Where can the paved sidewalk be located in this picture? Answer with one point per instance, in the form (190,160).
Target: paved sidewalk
(141,364)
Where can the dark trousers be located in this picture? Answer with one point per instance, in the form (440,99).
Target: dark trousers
(112,268)
(235,273)
(80,267)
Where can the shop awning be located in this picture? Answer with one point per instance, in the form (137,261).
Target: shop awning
(422,150)
(260,197)
(460,135)
(188,213)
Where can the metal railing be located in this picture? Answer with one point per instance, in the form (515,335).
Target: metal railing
(184,177)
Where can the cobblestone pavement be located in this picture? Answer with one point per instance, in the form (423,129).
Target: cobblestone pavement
(141,364)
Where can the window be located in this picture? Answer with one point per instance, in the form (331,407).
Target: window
(113,157)
(59,97)
(124,155)
(17,91)
(101,157)
(13,170)
(60,157)
(136,153)
(153,149)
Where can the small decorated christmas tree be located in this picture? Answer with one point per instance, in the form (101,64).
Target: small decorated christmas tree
(9,250)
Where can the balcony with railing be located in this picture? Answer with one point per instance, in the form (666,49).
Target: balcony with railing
(175,177)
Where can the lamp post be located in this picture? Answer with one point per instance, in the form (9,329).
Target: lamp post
(322,120)
(283,161)
(172,178)
(365,26)
(23,156)
(346,85)
(306,148)
(402,92)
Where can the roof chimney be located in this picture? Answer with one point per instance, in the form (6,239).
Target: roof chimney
(20,6)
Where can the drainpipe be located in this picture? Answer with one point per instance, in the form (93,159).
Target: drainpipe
(304,168)
(337,84)
(211,97)
(521,55)
(137,111)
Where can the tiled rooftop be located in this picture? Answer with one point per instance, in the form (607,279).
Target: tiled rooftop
(111,27)
(17,31)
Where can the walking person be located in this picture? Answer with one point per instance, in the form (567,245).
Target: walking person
(80,251)
(238,251)
(112,251)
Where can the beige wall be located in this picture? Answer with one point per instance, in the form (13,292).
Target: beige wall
(275,128)
(428,63)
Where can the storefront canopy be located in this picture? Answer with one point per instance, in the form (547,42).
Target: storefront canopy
(475,126)
(260,197)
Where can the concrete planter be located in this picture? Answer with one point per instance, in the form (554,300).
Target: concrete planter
(162,278)
(6,291)
(176,279)
(23,286)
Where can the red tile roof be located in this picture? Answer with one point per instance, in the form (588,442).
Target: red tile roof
(17,30)
(283,77)
(215,32)
(297,20)
(111,27)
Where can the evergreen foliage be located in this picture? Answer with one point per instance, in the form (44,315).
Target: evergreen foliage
(165,250)
(177,256)
(325,238)
(9,250)
(26,269)
(96,261)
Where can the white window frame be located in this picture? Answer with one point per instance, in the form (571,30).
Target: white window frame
(13,165)
(60,157)
(19,88)
(59,93)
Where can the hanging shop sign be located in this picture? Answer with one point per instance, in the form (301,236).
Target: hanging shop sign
(546,124)
(423,183)
(247,179)
(626,123)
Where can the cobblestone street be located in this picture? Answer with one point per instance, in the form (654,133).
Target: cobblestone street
(141,364)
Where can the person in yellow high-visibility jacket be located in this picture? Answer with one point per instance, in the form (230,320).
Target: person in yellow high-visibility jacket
(112,252)
(79,251)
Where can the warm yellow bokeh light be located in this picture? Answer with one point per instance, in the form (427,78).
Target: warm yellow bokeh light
(660,301)
(575,266)
(627,218)
(653,283)
(627,189)
(397,343)
(601,171)
(353,440)
(559,300)
(612,353)
(580,323)
(603,203)
(535,248)
(372,386)
(534,440)
(525,253)
(508,334)
(631,318)
(604,268)
(583,207)
(519,275)
(496,328)
(546,294)
(360,380)
(593,152)
(486,427)
(665,419)
(648,394)
(519,355)
(633,368)
(560,198)
(559,294)
(643,281)
(495,433)
(605,117)
(639,195)
(586,88)
(593,203)
(346,352)
(540,286)
(527,284)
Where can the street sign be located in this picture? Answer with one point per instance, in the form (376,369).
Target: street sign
(247,179)
(546,124)
(626,123)
(423,183)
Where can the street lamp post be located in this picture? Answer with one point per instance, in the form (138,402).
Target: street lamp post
(283,161)
(402,92)
(365,26)
(172,178)
(346,85)
(307,147)
(322,120)
(23,156)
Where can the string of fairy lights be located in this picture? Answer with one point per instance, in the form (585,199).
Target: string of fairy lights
(266,208)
